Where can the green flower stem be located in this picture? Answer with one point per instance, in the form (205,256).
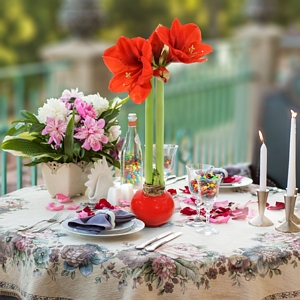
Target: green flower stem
(160,130)
(149,135)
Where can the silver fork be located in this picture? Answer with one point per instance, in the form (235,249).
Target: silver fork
(69,216)
(53,219)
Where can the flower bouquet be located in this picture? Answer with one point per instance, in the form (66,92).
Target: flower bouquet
(70,129)
(74,129)
(135,64)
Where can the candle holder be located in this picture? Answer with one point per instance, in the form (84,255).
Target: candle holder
(295,219)
(261,220)
(288,225)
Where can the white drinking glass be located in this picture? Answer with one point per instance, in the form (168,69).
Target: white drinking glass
(194,171)
(208,192)
(169,158)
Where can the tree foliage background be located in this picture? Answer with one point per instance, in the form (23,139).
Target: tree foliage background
(27,25)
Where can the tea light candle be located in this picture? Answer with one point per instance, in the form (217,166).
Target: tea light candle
(263,165)
(291,182)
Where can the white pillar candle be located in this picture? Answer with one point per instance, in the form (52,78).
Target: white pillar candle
(291,181)
(263,165)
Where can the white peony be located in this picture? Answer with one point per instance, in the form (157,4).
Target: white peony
(114,133)
(99,103)
(54,108)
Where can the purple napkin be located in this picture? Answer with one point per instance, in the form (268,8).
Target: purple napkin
(100,222)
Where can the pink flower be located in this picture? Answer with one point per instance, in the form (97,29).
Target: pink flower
(56,129)
(164,267)
(85,109)
(67,95)
(22,244)
(92,133)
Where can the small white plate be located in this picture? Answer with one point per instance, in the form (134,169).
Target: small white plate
(128,228)
(243,182)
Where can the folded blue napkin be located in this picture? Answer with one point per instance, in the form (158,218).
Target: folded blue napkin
(104,220)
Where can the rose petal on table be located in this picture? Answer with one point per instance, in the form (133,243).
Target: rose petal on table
(240,214)
(278,206)
(177,204)
(188,211)
(54,207)
(190,200)
(82,214)
(124,203)
(221,203)
(103,203)
(87,210)
(172,191)
(62,198)
(73,207)
(219,220)
(185,190)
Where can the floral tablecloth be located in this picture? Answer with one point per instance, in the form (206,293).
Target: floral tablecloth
(241,262)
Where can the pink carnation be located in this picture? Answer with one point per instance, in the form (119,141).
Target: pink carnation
(92,133)
(85,109)
(56,129)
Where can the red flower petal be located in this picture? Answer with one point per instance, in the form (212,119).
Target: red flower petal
(188,211)
(278,206)
(130,62)
(184,42)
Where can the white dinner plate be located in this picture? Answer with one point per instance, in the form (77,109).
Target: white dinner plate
(243,182)
(132,227)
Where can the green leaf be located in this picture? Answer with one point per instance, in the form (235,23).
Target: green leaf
(29,116)
(69,139)
(186,269)
(28,148)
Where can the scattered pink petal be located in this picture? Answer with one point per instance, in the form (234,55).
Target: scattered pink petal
(278,206)
(73,207)
(124,203)
(87,210)
(251,214)
(221,203)
(82,214)
(54,207)
(240,214)
(190,200)
(177,204)
(62,198)
(219,220)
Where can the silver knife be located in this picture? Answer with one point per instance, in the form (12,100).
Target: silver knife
(171,181)
(160,236)
(155,245)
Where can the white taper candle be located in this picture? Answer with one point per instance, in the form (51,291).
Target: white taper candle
(263,165)
(291,181)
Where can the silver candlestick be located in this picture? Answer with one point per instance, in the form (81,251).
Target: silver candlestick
(288,225)
(295,219)
(261,219)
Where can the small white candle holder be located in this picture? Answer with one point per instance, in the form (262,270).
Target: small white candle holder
(295,219)
(288,225)
(261,220)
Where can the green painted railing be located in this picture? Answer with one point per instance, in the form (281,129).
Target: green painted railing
(23,87)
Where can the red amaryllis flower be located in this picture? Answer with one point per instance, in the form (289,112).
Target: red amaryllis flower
(130,62)
(184,42)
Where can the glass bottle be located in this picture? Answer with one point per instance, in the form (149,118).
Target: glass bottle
(131,156)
